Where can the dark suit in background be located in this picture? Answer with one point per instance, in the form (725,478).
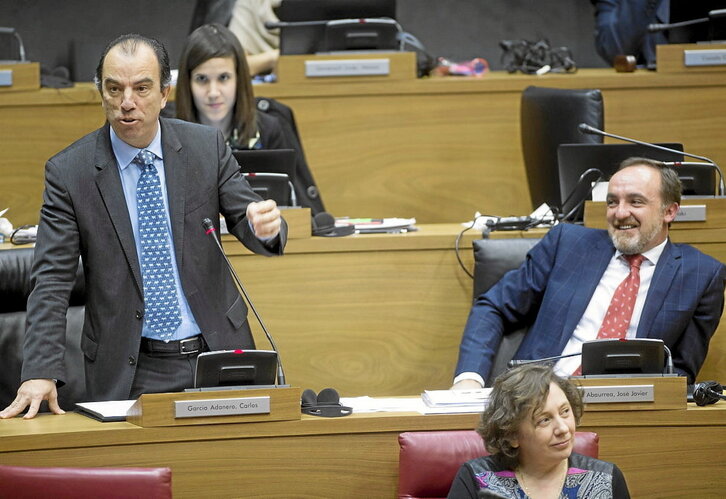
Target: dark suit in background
(553,287)
(85,214)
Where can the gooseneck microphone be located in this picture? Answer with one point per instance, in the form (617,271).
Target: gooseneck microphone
(589,130)
(288,24)
(211,231)
(713,14)
(515,363)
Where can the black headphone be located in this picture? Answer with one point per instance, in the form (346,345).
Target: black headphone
(708,392)
(325,404)
(324,225)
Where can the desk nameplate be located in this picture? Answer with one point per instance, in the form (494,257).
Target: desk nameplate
(618,394)
(221,407)
(641,393)
(6,78)
(347,67)
(162,409)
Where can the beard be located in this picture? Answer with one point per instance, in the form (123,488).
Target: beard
(636,243)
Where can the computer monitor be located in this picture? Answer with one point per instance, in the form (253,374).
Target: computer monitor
(313,37)
(630,356)
(270,173)
(576,159)
(235,368)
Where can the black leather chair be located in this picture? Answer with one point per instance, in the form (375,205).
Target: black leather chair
(549,117)
(492,259)
(15,267)
(305,188)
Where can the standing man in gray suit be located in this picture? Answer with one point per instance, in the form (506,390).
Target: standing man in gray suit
(137,339)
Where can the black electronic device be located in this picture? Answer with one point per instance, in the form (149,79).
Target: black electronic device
(325,404)
(708,392)
(626,356)
(270,173)
(238,368)
(305,27)
(323,224)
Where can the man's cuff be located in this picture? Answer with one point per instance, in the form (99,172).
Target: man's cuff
(474,376)
(270,242)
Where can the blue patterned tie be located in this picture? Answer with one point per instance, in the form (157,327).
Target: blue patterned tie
(160,300)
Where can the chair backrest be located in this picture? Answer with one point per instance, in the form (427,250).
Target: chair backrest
(305,187)
(492,259)
(70,483)
(15,266)
(548,118)
(429,460)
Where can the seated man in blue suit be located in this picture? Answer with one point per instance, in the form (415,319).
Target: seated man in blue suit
(564,288)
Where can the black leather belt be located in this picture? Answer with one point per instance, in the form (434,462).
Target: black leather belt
(187,346)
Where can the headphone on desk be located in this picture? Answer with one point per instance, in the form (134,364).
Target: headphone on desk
(324,225)
(325,404)
(708,392)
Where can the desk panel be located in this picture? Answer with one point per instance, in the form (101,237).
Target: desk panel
(437,149)
(366,314)
(356,456)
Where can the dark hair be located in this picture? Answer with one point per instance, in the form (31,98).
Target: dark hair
(129,44)
(670,184)
(204,43)
(516,394)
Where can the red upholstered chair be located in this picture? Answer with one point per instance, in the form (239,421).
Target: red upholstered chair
(429,460)
(23,482)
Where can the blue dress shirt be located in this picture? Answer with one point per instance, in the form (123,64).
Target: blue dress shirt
(130,174)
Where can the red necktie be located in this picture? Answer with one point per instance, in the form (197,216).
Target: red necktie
(620,311)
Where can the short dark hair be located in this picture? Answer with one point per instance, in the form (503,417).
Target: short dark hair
(670,184)
(208,42)
(128,44)
(515,395)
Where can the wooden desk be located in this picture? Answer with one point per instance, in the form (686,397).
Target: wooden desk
(356,456)
(368,314)
(377,314)
(436,149)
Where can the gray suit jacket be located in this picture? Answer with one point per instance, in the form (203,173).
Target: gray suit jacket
(84,214)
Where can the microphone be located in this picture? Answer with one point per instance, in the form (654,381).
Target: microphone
(289,24)
(589,130)
(21,46)
(211,231)
(713,14)
(669,359)
(656,27)
(515,363)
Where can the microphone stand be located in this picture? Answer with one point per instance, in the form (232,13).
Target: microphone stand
(587,129)
(210,229)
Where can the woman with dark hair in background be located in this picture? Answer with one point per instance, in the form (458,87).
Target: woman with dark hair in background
(214,88)
(529,429)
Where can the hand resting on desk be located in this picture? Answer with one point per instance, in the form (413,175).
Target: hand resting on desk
(31,393)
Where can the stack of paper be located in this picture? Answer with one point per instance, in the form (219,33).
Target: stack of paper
(457,400)
(377,225)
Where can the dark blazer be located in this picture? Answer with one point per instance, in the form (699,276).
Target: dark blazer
(84,214)
(553,287)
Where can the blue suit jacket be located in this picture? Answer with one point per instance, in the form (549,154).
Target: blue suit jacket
(552,288)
